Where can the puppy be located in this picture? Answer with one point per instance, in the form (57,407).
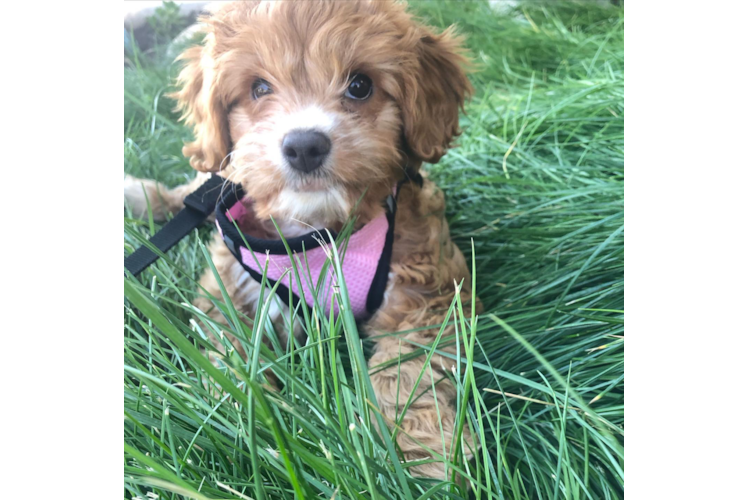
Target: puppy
(373,95)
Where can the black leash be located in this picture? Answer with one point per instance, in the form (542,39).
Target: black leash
(198,206)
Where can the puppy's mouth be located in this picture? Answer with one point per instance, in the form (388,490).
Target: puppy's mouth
(309,182)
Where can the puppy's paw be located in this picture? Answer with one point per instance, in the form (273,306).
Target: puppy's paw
(142,193)
(414,442)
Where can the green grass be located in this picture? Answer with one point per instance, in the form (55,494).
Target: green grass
(536,186)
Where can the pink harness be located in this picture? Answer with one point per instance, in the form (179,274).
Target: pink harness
(365,257)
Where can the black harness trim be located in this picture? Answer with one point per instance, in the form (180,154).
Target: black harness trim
(217,195)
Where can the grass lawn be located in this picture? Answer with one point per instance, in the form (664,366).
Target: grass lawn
(535,198)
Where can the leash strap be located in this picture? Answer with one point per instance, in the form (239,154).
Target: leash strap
(198,206)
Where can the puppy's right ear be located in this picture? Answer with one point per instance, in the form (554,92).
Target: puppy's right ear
(201,106)
(434,93)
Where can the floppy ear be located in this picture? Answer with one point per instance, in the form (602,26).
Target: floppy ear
(434,95)
(203,109)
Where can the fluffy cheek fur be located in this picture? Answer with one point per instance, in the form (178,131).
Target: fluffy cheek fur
(364,157)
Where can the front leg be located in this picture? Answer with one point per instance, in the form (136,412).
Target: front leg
(426,266)
(425,428)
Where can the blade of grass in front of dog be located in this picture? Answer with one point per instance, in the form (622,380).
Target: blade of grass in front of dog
(296,275)
(439,419)
(360,367)
(332,352)
(233,315)
(309,315)
(254,361)
(456,450)
(482,443)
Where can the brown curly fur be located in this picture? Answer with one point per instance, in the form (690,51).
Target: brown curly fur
(307,52)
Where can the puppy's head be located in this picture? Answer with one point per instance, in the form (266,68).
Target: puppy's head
(312,104)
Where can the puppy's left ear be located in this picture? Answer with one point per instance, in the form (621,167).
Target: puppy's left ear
(435,94)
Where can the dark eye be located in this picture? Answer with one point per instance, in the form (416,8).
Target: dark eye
(261,88)
(360,87)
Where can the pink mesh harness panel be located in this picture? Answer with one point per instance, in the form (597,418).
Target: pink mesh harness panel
(365,258)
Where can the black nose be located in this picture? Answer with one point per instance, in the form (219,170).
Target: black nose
(305,150)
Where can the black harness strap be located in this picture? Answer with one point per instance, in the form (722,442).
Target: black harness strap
(201,204)
(198,206)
